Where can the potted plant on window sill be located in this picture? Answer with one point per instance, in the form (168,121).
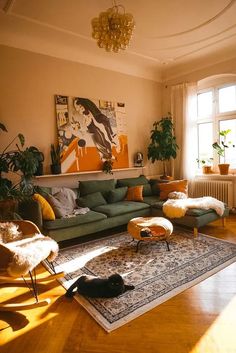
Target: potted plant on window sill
(206,165)
(221,149)
(163,144)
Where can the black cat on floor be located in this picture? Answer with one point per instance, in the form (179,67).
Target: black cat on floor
(99,287)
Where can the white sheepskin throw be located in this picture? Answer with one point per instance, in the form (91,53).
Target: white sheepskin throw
(29,252)
(9,232)
(177,208)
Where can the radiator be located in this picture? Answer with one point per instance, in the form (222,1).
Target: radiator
(221,190)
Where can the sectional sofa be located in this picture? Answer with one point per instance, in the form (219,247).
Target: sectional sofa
(108,208)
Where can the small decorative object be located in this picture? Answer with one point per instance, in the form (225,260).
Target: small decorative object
(163,144)
(221,149)
(206,165)
(138,159)
(56,159)
(107,166)
(113,29)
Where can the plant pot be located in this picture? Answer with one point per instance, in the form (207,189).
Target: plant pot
(206,169)
(224,169)
(7,208)
(56,168)
(39,170)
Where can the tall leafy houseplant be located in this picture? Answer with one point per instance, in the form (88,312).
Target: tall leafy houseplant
(19,160)
(163,144)
(7,189)
(23,162)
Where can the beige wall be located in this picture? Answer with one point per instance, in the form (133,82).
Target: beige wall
(29,81)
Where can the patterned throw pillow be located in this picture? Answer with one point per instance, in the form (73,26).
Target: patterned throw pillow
(178,185)
(47,211)
(135,193)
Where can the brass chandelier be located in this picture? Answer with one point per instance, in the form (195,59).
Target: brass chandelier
(113,29)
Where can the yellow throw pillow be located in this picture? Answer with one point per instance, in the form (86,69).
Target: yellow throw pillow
(47,211)
(178,185)
(135,193)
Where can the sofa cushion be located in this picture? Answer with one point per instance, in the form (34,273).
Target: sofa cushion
(59,223)
(43,190)
(147,190)
(135,193)
(196,212)
(154,183)
(122,207)
(91,186)
(141,180)
(117,194)
(91,200)
(151,200)
(177,185)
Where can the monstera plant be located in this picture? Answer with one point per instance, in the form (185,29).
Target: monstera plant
(22,161)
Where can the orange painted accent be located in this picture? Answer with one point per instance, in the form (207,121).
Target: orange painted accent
(73,145)
(88,158)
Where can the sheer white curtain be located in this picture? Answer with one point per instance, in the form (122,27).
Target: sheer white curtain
(184,112)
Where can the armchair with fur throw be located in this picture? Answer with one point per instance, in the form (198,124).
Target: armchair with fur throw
(22,248)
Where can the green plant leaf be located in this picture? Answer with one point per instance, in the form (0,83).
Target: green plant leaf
(3,127)
(22,139)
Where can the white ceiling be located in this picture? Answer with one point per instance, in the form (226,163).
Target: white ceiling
(169,34)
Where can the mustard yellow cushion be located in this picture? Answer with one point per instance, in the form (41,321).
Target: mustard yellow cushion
(135,193)
(47,211)
(178,185)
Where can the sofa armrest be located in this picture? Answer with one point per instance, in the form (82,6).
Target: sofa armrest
(31,210)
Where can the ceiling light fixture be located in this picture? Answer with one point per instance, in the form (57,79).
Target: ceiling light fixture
(113,29)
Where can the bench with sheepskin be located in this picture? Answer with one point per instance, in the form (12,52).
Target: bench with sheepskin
(22,249)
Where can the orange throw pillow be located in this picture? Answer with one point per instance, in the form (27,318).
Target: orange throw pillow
(135,193)
(178,185)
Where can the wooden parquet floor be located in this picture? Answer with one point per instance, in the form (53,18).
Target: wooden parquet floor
(202,319)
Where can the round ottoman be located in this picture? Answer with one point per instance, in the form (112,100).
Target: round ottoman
(150,229)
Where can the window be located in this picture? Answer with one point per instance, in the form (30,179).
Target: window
(204,104)
(205,137)
(216,111)
(227,99)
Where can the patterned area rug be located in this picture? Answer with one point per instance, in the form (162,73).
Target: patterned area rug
(156,273)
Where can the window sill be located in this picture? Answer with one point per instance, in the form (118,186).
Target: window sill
(215,176)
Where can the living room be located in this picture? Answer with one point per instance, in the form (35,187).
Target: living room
(44,54)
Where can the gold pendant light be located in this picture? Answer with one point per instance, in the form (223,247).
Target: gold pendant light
(113,29)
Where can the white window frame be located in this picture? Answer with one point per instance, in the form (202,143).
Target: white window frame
(215,118)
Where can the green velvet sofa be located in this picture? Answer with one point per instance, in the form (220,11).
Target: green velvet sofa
(108,209)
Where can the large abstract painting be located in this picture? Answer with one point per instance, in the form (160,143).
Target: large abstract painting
(90,132)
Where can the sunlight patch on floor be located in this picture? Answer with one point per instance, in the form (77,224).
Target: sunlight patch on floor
(221,336)
(80,261)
